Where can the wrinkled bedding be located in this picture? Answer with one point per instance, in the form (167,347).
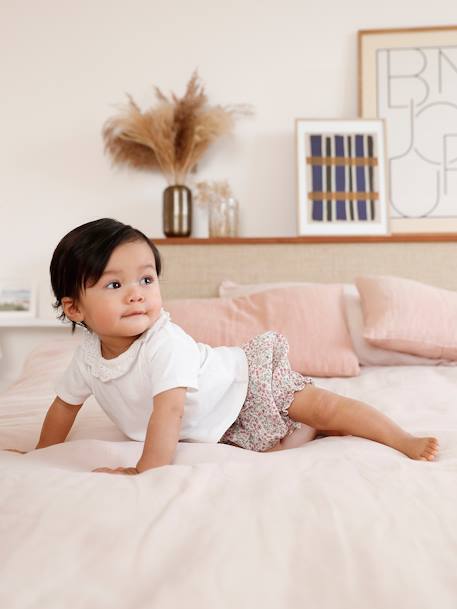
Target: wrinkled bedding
(337,522)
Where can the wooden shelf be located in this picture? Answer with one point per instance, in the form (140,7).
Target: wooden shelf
(396,238)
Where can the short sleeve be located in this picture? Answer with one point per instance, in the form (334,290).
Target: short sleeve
(72,387)
(175,363)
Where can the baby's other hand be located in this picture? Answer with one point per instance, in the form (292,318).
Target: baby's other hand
(15,450)
(129,471)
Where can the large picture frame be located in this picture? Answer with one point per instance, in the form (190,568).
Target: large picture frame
(341,177)
(408,77)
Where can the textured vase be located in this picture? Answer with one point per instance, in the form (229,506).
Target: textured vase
(177,211)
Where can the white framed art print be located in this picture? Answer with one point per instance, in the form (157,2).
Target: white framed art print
(341,177)
(17,299)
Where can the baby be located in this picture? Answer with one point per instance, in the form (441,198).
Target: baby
(159,386)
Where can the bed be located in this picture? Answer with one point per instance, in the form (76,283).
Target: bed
(336,522)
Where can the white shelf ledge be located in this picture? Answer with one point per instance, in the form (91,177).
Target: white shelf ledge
(30,322)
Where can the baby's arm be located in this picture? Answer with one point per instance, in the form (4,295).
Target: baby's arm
(58,422)
(162,434)
(164,425)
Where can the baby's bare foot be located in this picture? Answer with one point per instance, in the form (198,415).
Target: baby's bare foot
(422,449)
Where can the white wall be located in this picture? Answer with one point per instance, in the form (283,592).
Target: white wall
(65,65)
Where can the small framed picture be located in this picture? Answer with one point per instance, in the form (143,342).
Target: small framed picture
(341,177)
(17,298)
(408,78)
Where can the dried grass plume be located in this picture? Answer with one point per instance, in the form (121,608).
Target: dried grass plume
(173,135)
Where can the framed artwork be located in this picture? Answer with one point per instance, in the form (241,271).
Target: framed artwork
(341,177)
(17,299)
(408,77)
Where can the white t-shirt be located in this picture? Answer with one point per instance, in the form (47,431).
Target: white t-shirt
(162,358)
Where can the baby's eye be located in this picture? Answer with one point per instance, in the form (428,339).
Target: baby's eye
(113,285)
(146,280)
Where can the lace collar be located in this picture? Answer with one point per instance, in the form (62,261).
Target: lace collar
(108,369)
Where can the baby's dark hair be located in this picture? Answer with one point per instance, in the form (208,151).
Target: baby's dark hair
(82,255)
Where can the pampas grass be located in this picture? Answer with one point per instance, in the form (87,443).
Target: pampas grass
(173,135)
(207,192)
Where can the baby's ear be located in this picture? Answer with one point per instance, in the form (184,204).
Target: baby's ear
(71,309)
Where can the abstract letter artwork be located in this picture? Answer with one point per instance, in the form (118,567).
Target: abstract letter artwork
(409,78)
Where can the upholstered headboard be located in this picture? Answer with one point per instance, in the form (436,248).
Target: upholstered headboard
(195,268)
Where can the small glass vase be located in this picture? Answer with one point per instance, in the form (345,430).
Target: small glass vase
(223,217)
(177,211)
(200,221)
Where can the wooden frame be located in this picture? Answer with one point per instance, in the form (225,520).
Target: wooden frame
(408,77)
(341,177)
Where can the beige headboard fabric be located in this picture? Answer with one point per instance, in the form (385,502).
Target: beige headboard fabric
(196,270)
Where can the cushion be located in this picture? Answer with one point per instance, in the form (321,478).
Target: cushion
(367,354)
(230,289)
(409,316)
(311,317)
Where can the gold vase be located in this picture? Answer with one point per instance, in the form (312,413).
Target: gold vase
(177,211)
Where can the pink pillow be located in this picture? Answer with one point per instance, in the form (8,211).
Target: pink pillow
(311,317)
(408,316)
(230,289)
(367,354)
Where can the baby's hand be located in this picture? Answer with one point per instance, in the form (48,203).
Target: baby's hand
(15,450)
(129,471)
(277,446)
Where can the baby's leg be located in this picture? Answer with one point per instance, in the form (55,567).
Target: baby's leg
(325,410)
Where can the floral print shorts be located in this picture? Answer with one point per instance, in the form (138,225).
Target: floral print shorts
(263,419)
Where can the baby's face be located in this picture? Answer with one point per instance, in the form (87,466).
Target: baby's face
(126,299)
